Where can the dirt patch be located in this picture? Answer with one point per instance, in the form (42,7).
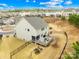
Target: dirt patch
(72,32)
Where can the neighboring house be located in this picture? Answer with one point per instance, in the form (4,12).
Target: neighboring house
(25,13)
(33,29)
(10,21)
(77,12)
(6,21)
(55,14)
(66,13)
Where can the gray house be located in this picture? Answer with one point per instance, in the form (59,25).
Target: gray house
(33,29)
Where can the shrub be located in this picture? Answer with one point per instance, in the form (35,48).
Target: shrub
(75,54)
(74,19)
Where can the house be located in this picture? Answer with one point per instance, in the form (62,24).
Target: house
(33,29)
(77,12)
(9,21)
(24,13)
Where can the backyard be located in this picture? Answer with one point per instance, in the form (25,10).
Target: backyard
(53,51)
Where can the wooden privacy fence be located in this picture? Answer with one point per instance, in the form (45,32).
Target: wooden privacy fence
(19,49)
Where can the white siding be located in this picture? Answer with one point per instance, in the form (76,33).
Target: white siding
(22,32)
(41,33)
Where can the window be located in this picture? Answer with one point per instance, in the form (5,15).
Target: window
(28,30)
(45,39)
(38,37)
(33,38)
(44,35)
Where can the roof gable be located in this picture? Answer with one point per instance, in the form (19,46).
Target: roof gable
(36,22)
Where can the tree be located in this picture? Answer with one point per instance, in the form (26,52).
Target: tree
(75,54)
(74,19)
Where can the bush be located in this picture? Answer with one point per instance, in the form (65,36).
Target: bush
(75,54)
(74,19)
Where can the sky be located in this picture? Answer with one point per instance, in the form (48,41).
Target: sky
(59,4)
